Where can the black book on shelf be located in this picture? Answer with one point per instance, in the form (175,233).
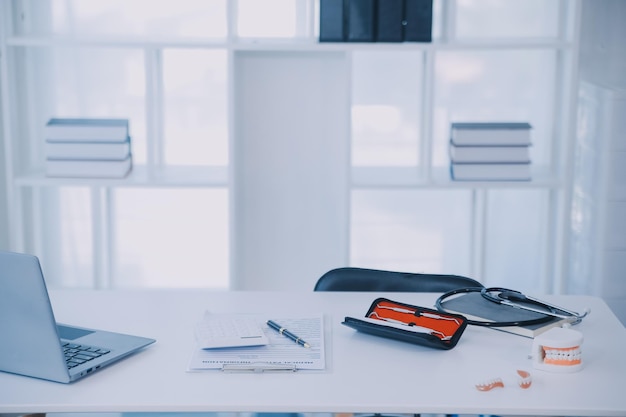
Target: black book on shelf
(361,20)
(333,20)
(418,20)
(389,18)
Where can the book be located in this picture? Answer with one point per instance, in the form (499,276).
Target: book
(475,307)
(88,168)
(468,153)
(87,150)
(360,20)
(389,18)
(84,130)
(490,133)
(490,171)
(332,21)
(418,20)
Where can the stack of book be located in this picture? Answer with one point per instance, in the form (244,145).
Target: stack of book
(490,151)
(88,148)
(376,20)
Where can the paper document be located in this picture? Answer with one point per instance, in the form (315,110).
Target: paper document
(229,330)
(281,353)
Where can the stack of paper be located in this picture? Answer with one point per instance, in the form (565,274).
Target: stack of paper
(279,353)
(219,330)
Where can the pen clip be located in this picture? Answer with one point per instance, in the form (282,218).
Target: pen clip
(257,368)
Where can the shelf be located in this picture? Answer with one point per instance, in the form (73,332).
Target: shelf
(362,178)
(140,176)
(266,167)
(410,177)
(115,41)
(273,44)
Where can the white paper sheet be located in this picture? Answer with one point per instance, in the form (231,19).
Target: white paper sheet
(229,330)
(280,354)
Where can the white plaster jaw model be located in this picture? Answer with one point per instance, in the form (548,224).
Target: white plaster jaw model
(558,350)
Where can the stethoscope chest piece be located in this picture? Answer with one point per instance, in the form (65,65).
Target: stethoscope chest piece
(558,350)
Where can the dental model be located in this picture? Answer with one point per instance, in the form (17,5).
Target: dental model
(489,385)
(524,381)
(558,350)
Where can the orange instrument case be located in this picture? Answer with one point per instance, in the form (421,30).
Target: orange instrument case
(409,323)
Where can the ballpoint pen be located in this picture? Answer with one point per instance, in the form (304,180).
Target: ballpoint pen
(280,329)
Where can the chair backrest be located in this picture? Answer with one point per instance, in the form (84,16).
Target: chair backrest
(361,279)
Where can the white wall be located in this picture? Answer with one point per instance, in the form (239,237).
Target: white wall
(603,43)
(291,168)
(4,222)
(602,72)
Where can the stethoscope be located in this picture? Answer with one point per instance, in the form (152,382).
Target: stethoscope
(515,299)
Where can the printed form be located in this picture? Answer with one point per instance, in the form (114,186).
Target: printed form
(280,354)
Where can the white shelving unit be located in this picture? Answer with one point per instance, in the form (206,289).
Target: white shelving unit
(25,172)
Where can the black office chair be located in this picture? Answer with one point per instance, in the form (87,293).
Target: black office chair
(374,280)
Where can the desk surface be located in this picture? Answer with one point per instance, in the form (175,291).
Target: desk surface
(364,373)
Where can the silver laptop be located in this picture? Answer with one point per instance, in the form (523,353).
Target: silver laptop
(34,344)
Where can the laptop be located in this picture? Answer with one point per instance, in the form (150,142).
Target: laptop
(34,344)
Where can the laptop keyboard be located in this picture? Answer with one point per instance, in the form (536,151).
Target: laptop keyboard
(78,354)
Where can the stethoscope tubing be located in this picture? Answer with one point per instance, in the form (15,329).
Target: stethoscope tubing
(536,310)
(549,310)
(568,313)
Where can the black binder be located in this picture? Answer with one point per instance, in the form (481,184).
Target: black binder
(389,17)
(332,20)
(418,17)
(361,20)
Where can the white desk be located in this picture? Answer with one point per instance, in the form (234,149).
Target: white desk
(364,373)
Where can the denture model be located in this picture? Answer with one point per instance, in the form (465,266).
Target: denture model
(490,384)
(558,350)
(525,380)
